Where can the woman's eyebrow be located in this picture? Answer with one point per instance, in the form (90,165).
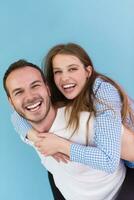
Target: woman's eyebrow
(70,65)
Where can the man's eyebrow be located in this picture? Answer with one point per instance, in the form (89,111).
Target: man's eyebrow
(19,89)
(37,81)
(16,90)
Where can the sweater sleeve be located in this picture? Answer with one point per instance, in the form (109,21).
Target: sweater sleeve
(20,124)
(105,154)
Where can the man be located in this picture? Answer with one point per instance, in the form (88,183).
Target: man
(30,96)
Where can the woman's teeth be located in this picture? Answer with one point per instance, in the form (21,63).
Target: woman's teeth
(69,86)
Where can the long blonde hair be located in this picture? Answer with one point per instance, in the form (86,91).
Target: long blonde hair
(85,100)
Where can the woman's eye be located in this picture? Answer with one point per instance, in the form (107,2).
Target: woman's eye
(57,72)
(72,69)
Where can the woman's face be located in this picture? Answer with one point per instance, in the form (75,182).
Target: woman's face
(70,75)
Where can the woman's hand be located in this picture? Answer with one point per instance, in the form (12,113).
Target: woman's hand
(127,145)
(50,144)
(33,136)
(61,157)
(36,137)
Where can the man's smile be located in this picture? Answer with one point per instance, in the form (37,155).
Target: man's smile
(34,106)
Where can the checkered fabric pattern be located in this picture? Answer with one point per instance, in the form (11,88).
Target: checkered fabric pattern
(20,124)
(105,154)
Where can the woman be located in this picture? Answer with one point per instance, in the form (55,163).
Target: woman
(96,94)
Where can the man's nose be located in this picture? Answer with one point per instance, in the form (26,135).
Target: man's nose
(29,95)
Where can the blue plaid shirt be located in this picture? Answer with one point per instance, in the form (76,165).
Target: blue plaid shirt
(105,154)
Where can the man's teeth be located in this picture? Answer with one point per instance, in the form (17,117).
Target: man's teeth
(34,106)
(69,85)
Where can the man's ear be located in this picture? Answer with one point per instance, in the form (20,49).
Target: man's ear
(89,70)
(48,90)
(10,101)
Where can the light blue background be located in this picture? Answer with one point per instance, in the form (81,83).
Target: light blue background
(28,28)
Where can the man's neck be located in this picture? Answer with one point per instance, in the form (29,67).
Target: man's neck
(46,124)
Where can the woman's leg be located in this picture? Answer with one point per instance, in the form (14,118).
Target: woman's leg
(56,193)
(127,189)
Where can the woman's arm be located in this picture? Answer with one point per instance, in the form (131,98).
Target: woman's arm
(28,134)
(105,154)
(108,125)
(52,144)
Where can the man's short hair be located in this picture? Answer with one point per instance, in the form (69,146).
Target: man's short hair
(19,65)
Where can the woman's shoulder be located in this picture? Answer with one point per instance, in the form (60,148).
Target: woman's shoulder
(105,89)
(99,82)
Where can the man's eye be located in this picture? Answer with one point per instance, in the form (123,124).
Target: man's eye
(18,93)
(35,86)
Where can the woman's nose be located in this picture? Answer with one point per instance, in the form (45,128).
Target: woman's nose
(64,76)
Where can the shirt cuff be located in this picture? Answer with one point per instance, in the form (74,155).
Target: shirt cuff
(77,153)
(129,164)
(25,140)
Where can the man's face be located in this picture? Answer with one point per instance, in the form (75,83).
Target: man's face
(29,95)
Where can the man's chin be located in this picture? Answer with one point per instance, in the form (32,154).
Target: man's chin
(33,119)
(28,117)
